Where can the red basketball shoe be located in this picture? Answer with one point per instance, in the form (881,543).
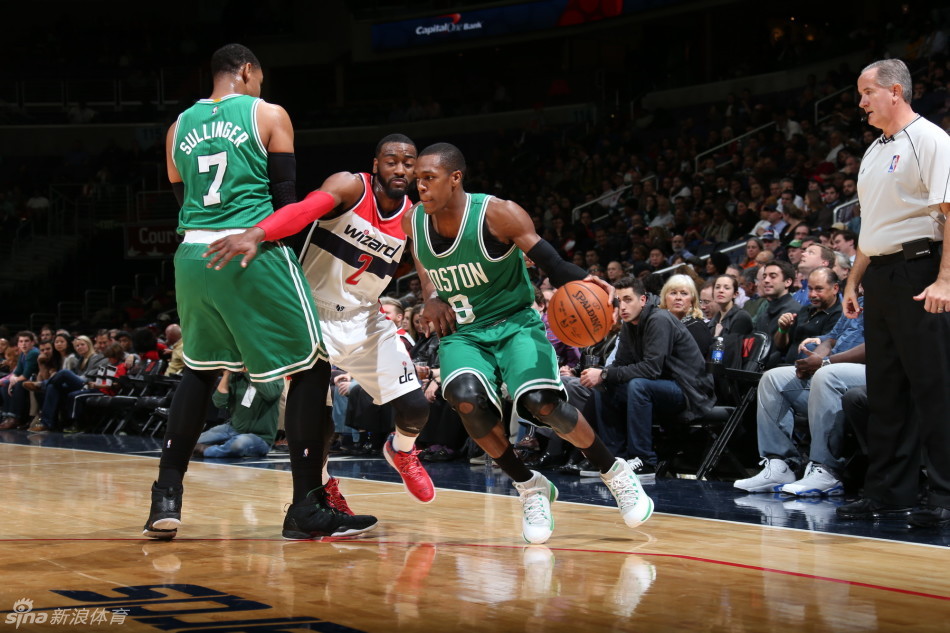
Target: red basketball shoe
(414,476)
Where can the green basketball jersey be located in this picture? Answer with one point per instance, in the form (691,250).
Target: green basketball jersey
(220,157)
(482,290)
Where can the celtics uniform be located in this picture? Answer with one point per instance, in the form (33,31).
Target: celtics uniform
(500,337)
(260,317)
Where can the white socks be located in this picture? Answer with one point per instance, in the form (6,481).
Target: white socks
(403,443)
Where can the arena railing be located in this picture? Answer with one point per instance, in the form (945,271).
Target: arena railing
(576,211)
(734,139)
(727,249)
(845,212)
(818,102)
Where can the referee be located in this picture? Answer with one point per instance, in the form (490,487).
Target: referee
(903,188)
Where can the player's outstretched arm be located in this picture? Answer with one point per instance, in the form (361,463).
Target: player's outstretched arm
(510,223)
(340,190)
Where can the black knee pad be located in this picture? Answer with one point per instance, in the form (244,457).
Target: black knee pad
(549,408)
(467,396)
(412,412)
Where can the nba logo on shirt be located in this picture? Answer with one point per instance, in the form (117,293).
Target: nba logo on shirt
(894,162)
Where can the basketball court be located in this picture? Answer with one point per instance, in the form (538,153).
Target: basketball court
(710,559)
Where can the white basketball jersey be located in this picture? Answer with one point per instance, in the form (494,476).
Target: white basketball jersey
(349,260)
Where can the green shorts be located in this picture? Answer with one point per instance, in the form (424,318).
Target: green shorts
(261,317)
(515,352)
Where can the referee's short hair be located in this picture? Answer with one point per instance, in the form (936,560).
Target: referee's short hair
(890,72)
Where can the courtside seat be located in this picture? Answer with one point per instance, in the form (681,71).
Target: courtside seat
(717,428)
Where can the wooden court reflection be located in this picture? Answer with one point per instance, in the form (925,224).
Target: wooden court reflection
(71,541)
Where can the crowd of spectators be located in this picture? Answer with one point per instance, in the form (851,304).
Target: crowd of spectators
(46,378)
(757,236)
(721,232)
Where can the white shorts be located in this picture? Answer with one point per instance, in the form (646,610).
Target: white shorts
(365,344)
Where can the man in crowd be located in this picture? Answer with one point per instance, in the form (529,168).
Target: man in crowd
(814,256)
(777,278)
(813,386)
(252,421)
(815,319)
(658,370)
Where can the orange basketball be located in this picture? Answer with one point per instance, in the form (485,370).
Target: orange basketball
(579,313)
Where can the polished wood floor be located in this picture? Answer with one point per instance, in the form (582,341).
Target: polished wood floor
(73,558)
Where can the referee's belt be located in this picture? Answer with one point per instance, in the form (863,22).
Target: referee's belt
(902,255)
(201,236)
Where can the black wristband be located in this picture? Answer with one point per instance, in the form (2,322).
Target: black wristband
(559,271)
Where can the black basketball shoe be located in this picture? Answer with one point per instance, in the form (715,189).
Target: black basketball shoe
(314,518)
(165,515)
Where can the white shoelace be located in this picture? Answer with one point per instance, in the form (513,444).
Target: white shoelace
(625,490)
(535,510)
(766,464)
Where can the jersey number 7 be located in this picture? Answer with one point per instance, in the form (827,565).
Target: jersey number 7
(219,160)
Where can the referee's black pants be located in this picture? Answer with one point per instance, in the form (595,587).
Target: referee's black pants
(908,376)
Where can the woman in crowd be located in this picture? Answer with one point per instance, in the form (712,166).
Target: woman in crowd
(680,296)
(69,380)
(729,317)
(753,247)
(409,322)
(11,355)
(63,348)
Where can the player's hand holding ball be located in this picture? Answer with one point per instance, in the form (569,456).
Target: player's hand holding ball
(580,313)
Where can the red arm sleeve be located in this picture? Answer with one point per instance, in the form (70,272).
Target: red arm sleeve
(293,218)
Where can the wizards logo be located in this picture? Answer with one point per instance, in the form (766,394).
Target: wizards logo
(407,376)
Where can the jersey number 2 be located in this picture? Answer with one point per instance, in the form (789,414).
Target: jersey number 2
(365,260)
(220,160)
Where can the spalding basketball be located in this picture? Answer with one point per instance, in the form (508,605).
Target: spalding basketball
(579,313)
